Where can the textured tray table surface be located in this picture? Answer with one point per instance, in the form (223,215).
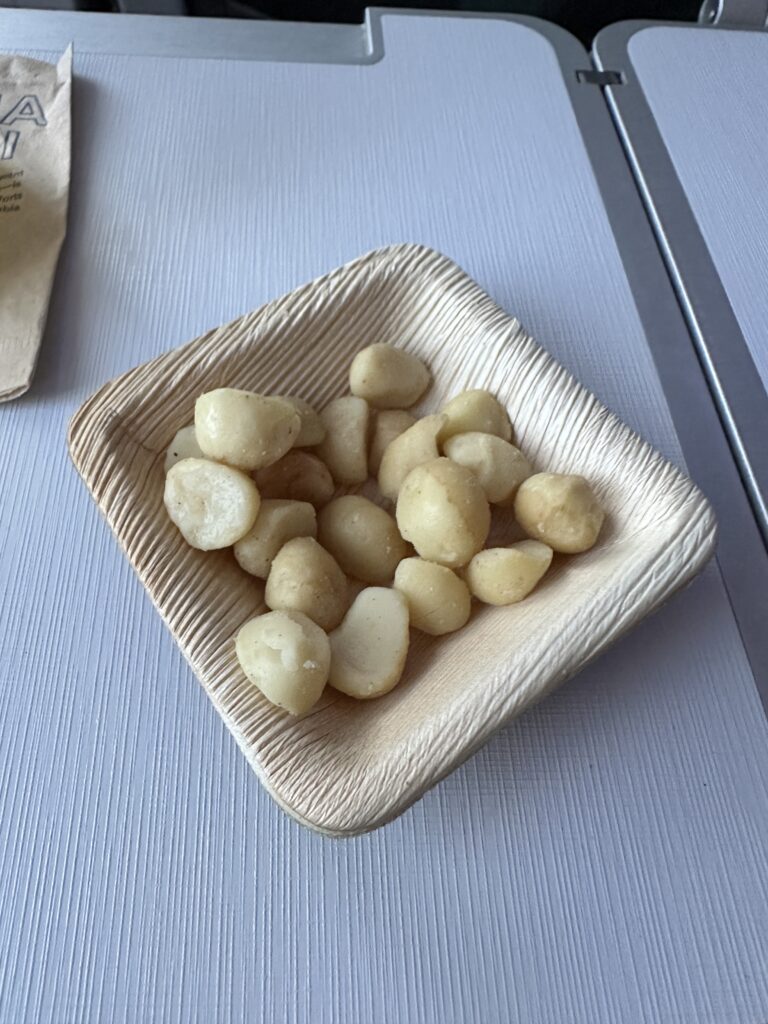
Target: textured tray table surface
(601,859)
(707,92)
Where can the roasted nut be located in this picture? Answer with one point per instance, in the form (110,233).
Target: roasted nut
(345,448)
(277,522)
(416,445)
(442,511)
(299,476)
(559,510)
(212,505)
(475,410)
(438,601)
(183,446)
(369,648)
(507,575)
(243,429)
(389,424)
(287,656)
(387,377)
(362,537)
(312,430)
(305,578)
(497,464)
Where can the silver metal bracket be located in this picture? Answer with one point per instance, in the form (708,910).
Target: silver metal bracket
(589,76)
(744,14)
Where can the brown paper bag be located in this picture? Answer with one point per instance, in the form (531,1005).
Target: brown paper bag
(34,188)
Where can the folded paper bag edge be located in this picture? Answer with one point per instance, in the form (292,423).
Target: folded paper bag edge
(39,116)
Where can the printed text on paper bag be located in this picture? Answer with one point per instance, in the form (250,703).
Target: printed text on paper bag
(28,108)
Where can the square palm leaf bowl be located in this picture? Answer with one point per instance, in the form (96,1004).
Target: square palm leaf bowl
(347,767)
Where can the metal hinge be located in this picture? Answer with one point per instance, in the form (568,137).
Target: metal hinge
(744,14)
(588,76)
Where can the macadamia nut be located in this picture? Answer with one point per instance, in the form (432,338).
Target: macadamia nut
(287,656)
(305,578)
(299,476)
(416,445)
(312,430)
(345,448)
(438,601)
(507,575)
(475,410)
(387,377)
(443,512)
(277,522)
(560,510)
(183,446)
(243,429)
(212,505)
(497,464)
(389,424)
(369,648)
(362,537)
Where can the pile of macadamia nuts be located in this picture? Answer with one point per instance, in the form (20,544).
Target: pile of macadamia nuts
(259,473)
